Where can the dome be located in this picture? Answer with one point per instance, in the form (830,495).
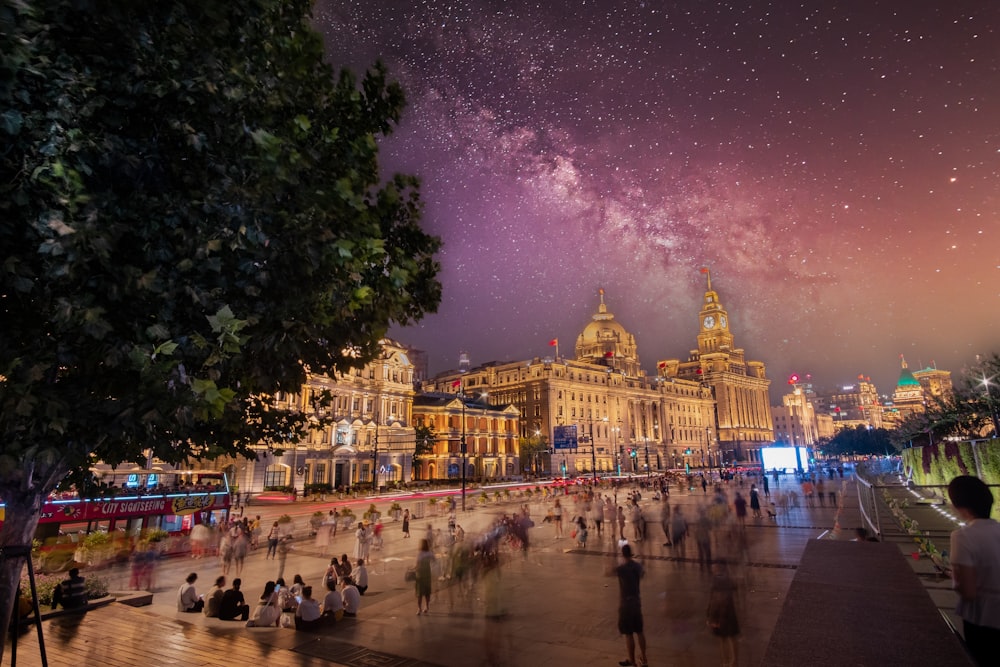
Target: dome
(604,340)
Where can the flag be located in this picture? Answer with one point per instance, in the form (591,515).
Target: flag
(609,354)
(554,342)
(704,269)
(456,383)
(662,364)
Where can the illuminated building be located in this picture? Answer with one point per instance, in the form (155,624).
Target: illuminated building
(795,420)
(739,386)
(490,433)
(369,431)
(599,411)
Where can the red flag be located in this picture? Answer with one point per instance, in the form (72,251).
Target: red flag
(698,371)
(662,364)
(554,342)
(704,269)
(456,383)
(609,354)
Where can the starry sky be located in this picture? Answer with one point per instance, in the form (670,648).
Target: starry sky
(837,167)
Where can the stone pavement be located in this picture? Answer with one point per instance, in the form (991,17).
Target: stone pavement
(562,609)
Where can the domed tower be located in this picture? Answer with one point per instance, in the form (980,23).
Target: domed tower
(604,341)
(908,398)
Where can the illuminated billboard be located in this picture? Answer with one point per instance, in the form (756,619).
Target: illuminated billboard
(784,458)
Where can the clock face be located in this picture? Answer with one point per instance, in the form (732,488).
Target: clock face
(709,322)
(722,321)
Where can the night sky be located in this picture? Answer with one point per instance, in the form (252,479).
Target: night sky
(838,168)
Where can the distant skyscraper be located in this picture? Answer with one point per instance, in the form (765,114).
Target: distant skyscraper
(463,361)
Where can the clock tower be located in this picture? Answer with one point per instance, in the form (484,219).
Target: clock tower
(739,385)
(713,322)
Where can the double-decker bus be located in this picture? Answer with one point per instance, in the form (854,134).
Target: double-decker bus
(130,501)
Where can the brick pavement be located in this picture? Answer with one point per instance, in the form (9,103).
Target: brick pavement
(562,607)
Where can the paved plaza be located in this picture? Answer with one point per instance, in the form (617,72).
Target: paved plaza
(562,607)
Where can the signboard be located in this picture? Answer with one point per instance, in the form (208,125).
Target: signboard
(564,437)
(96,510)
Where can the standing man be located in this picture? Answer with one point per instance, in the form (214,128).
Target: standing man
(975,567)
(629,574)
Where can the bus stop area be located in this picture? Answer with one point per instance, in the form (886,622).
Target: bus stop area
(858,603)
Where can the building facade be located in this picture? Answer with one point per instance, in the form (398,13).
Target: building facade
(470,430)
(598,411)
(364,437)
(739,386)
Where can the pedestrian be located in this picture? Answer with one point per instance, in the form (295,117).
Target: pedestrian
(702,532)
(241,544)
(406,523)
(975,552)
(665,519)
(351,597)
(678,531)
(767,487)
(343,568)
(629,574)
(721,614)
(740,505)
(754,501)
(620,517)
(557,512)
(284,546)
(273,536)
(425,561)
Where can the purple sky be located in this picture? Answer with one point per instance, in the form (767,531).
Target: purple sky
(838,169)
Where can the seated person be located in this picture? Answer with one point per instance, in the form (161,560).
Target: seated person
(361,576)
(233,606)
(307,614)
(188,599)
(72,592)
(333,603)
(351,596)
(268,609)
(214,598)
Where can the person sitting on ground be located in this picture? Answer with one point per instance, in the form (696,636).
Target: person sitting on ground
(214,598)
(351,596)
(343,568)
(188,599)
(72,592)
(308,614)
(333,603)
(233,605)
(268,611)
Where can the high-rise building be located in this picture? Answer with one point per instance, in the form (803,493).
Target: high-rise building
(739,386)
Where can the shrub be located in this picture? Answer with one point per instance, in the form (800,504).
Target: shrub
(45,584)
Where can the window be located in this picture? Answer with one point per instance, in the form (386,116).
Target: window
(275,475)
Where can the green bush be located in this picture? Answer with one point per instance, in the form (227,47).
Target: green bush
(45,584)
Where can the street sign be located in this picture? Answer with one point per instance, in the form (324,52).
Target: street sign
(564,437)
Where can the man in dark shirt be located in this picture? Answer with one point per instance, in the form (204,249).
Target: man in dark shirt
(630,606)
(71,593)
(233,605)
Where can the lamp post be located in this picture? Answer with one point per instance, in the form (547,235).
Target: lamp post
(593,452)
(462,443)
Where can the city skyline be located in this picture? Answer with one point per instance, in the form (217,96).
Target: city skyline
(837,170)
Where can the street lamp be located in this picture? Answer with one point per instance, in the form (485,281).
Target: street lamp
(462,441)
(593,451)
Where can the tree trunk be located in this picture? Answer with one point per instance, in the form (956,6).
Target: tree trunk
(20,520)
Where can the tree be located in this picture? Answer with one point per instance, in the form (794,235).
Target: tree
(425,438)
(530,450)
(191,219)
(859,440)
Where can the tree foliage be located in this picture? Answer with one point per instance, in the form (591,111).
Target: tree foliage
(191,218)
(859,440)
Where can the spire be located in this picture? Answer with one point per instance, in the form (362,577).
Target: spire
(602,308)
(902,360)
(708,274)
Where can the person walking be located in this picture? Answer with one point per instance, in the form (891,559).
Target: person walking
(273,536)
(406,523)
(424,571)
(754,501)
(629,574)
(557,512)
(975,567)
(721,614)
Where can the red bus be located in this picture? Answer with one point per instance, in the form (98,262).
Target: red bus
(133,501)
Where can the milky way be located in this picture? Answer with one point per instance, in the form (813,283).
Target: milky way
(837,169)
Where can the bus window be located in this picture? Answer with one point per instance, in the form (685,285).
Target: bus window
(172,523)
